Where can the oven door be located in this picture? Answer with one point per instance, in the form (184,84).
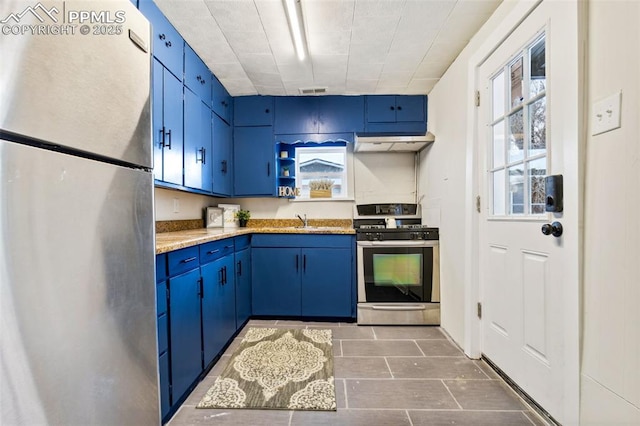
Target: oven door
(397,271)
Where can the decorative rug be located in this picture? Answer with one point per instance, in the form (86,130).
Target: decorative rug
(288,369)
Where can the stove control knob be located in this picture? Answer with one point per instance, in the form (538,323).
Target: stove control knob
(370,236)
(413,235)
(379,236)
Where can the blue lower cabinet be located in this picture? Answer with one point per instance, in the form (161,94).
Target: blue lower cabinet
(243,286)
(326,282)
(218,306)
(165,390)
(185,331)
(276,281)
(302,275)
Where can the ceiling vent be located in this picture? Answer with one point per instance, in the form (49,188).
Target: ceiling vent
(313,90)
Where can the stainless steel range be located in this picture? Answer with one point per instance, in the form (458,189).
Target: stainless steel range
(398,265)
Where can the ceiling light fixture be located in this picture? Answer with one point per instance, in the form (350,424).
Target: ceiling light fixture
(294,17)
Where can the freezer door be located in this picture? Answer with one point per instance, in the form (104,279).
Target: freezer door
(78,325)
(88,92)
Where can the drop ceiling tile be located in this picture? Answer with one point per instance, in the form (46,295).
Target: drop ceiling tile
(236,15)
(329,43)
(368,8)
(476,7)
(402,62)
(374,30)
(422,85)
(361,71)
(391,89)
(256,63)
(245,42)
(369,53)
(330,64)
(431,68)
(395,78)
(265,79)
(412,41)
(231,70)
(277,90)
(296,71)
(239,87)
(426,14)
(328,15)
(358,87)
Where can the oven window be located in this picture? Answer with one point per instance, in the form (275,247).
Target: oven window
(397,269)
(397,274)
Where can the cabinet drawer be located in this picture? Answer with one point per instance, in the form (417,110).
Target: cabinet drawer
(183,260)
(163,334)
(302,240)
(161,298)
(161,267)
(242,242)
(197,76)
(215,250)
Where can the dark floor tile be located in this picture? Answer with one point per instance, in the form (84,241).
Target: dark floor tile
(380,348)
(469,418)
(398,394)
(415,332)
(484,395)
(353,333)
(193,416)
(361,367)
(435,368)
(350,418)
(439,347)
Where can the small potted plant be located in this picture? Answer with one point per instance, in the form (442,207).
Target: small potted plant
(243,217)
(320,188)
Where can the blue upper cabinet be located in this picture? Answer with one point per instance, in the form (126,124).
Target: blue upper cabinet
(197,143)
(319,114)
(340,114)
(396,115)
(253,161)
(222,157)
(296,114)
(221,102)
(168,45)
(253,111)
(197,76)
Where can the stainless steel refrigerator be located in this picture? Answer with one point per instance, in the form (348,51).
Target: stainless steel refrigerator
(77,290)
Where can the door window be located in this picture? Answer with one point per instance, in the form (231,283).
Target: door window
(519,134)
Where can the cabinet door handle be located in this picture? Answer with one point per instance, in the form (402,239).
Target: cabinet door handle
(296,263)
(201,287)
(168,133)
(168,43)
(213,251)
(239,268)
(304,263)
(399,108)
(268,169)
(224,167)
(392,108)
(202,153)
(162,36)
(190,259)
(267,111)
(220,276)
(162,136)
(224,274)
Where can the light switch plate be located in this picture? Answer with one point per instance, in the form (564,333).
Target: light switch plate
(606,114)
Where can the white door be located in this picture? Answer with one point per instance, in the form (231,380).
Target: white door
(528,128)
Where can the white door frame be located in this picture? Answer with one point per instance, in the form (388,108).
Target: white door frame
(472,337)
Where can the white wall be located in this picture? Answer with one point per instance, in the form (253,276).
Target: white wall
(611,321)
(378,177)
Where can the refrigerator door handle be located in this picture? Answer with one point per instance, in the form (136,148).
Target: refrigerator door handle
(168,133)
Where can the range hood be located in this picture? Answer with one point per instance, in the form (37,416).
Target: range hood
(393,143)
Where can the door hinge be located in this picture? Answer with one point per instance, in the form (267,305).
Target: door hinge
(477,98)
(478,204)
(480,310)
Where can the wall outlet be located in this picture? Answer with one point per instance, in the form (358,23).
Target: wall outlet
(605,115)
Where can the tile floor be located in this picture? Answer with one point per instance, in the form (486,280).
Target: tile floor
(384,375)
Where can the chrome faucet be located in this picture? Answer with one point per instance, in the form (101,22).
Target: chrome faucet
(304,221)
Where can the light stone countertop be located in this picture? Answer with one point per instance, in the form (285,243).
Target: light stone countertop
(170,241)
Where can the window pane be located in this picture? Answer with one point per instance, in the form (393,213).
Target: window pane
(498,96)
(515,71)
(538,68)
(537,173)
(516,189)
(516,136)
(322,169)
(498,192)
(498,144)
(538,120)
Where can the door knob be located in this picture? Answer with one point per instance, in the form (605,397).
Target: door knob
(554,229)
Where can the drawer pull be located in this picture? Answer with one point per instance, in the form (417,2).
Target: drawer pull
(213,251)
(190,259)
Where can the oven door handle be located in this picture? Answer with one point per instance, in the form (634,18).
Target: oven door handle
(399,308)
(414,243)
